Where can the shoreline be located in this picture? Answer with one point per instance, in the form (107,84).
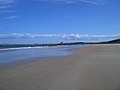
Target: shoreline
(28,54)
(92,68)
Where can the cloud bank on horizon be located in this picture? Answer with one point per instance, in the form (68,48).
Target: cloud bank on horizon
(63,36)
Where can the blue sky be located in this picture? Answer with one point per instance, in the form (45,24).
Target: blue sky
(92,17)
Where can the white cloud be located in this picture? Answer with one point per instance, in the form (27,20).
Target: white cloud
(62,36)
(3,2)
(6,3)
(7,11)
(11,17)
(5,6)
(94,2)
(8,6)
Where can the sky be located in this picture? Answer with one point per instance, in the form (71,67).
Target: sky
(85,17)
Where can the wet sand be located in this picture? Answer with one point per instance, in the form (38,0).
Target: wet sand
(93,68)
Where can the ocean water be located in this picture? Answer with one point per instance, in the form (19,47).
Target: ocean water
(10,55)
(18,54)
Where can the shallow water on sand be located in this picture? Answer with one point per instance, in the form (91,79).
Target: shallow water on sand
(9,56)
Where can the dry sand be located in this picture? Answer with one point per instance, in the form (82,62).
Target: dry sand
(93,68)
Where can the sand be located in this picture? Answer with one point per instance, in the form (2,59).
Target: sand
(93,68)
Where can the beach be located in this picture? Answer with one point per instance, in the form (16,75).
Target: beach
(92,68)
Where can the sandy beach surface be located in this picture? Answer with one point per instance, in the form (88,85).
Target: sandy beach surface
(93,68)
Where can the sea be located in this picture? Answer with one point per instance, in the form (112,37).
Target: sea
(19,54)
